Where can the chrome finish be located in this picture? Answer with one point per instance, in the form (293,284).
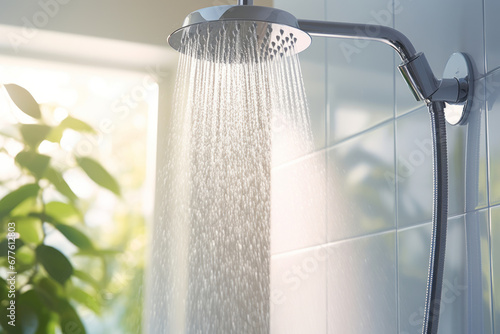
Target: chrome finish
(383,34)
(448,91)
(458,69)
(276,31)
(419,77)
(270,32)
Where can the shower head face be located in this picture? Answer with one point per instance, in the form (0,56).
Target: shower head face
(239,34)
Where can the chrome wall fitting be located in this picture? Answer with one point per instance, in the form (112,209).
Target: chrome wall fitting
(459,67)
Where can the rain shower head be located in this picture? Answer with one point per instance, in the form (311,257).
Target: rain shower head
(246,33)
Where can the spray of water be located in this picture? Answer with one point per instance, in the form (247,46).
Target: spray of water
(233,107)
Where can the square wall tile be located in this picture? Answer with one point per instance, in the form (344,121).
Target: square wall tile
(439,28)
(361,278)
(360,73)
(495,262)
(479,272)
(467,179)
(493,105)
(298,292)
(313,65)
(467,173)
(465,299)
(413,264)
(361,194)
(492,26)
(298,204)
(475,172)
(414,168)
(454,296)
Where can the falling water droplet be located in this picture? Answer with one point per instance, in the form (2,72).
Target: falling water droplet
(217,212)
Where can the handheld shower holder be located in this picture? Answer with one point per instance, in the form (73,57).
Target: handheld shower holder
(455,89)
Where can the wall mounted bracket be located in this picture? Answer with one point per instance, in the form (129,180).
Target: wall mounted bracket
(459,67)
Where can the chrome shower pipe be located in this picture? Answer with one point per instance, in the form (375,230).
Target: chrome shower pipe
(382,34)
(415,68)
(245,2)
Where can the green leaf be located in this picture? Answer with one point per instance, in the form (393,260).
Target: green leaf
(25,207)
(69,320)
(77,125)
(25,256)
(55,263)
(24,100)
(34,162)
(83,276)
(3,289)
(98,252)
(58,181)
(98,174)
(78,238)
(14,198)
(34,134)
(84,298)
(50,293)
(69,123)
(4,246)
(45,299)
(30,304)
(4,300)
(54,298)
(29,229)
(63,212)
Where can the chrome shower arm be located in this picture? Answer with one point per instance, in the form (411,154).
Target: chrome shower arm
(245,2)
(383,34)
(415,68)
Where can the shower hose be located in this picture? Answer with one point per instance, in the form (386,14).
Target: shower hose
(439,219)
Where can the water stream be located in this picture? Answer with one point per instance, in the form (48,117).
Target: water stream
(235,115)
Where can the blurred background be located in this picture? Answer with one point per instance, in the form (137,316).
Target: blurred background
(351,220)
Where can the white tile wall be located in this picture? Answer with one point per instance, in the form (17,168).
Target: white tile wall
(464,308)
(298,197)
(495,263)
(357,69)
(377,236)
(491,10)
(361,194)
(466,163)
(362,285)
(414,168)
(298,291)
(493,103)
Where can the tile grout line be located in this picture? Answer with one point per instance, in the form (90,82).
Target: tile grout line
(488,188)
(485,57)
(492,302)
(403,229)
(396,188)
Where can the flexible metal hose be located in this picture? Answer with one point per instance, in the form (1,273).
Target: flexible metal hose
(439,220)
